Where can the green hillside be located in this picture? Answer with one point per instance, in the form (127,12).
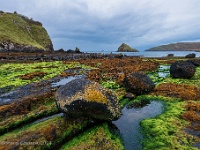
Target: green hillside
(18,31)
(182,46)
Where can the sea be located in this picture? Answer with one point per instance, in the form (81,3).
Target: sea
(151,53)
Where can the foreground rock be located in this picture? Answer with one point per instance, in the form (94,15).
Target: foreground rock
(138,83)
(182,69)
(82,97)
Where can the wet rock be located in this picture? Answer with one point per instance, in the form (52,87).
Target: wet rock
(182,69)
(82,97)
(190,55)
(138,83)
(170,55)
(195,62)
(129,95)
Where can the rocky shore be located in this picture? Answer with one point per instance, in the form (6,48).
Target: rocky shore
(51,56)
(39,99)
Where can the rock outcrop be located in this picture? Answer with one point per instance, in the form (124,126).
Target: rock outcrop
(182,69)
(126,48)
(182,46)
(19,33)
(138,83)
(82,97)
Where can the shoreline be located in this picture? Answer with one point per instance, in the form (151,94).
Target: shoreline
(62,56)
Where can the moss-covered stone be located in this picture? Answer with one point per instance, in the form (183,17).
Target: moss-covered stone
(97,138)
(44,134)
(82,97)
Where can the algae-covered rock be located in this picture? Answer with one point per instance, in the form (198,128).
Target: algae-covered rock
(138,83)
(182,69)
(100,137)
(82,97)
(19,33)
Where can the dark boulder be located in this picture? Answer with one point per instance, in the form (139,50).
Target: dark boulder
(170,55)
(182,69)
(190,55)
(82,97)
(138,83)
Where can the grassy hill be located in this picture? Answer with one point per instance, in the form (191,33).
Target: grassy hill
(20,32)
(182,46)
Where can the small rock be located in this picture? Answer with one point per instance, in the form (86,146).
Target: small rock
(190,55)
(170,55)
(138,83)
(129,95)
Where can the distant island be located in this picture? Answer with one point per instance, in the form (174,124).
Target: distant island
(126,48)
(181,46)
(19,33)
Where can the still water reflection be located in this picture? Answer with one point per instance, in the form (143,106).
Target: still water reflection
(129,123)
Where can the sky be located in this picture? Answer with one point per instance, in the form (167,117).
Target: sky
(96,25)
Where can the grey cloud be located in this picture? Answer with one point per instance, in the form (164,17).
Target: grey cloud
(102,24)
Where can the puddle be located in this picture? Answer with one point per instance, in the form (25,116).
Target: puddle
(8,94)
(129,123)
(66,80)
(4,101)
(46,118)
(163,71)
(5,98)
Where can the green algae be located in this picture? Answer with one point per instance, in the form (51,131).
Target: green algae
(11,122)
(194,81)
(99,137)
(110,85)
(43,135)
(10,73)
(166,130)
(138,102)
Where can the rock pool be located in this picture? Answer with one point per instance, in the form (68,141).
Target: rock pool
(129,123)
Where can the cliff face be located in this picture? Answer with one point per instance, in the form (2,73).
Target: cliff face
(183,46)
(19,33)
(126,48)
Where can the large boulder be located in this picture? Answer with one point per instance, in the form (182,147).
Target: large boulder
(138,83)
(182,69)
(82,97)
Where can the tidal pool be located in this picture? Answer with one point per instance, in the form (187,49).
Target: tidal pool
(129,123)
(163,71)
(66,80)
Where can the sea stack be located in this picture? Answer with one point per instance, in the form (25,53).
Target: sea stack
(126,48)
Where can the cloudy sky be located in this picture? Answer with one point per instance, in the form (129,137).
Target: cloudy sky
(95,25)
